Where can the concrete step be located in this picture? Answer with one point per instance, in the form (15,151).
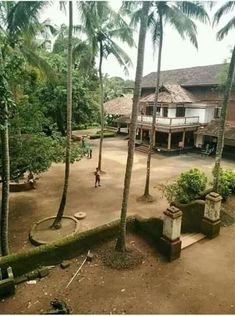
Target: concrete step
(190,239)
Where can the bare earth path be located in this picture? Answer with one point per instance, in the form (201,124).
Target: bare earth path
(101,204)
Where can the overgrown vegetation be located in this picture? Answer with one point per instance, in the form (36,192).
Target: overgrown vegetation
(191,184)
(187,187)
(227,183)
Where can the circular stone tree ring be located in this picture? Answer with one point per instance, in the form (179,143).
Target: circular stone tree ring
(42,233)
(80,215)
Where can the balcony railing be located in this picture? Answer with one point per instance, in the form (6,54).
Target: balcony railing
(169,121)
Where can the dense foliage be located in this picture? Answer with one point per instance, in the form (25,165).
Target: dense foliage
(227,183)
(187,187)
(116,87)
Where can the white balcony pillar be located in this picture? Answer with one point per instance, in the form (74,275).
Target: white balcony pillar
(169,141)
(154,138)
(183,138)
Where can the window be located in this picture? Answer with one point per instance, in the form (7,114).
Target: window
(149,110)
(217,113)
(180,112)
(165,112)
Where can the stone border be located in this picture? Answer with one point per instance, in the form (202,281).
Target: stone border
(36,242)
(21,187)
(75,244)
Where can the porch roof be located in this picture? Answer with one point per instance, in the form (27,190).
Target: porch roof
(212,129)
(170,93)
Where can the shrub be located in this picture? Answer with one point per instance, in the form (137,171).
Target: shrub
(187,187)
(226,183)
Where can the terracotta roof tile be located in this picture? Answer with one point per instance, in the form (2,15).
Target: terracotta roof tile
(202,75)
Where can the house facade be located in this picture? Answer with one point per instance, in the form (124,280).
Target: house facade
(189,101)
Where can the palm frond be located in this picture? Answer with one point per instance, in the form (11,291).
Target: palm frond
(154,27)
(125,34)
(224,31)
(63,6)
(183,24)
(135,18)
(128,7)
(194,10)
(227,7)
(38,62)
(110,47)
(23,14)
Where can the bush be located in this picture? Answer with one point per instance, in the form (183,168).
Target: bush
(187,187)
(226,183)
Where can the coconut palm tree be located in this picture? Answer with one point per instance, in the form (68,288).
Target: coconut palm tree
(179,15)
(5,106)
(223,10)
(103,26)
(57,222)
(16,19)
(121,241)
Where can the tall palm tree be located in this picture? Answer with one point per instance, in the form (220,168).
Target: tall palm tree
(103,26)
(121,241)
(57,222)
(179,15)
(16,18)
(5,107)
(223,10)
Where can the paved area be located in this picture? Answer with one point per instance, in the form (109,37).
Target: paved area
(101,204)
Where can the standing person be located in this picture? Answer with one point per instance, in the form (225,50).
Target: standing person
(31,179)
(83,141)
(97,177)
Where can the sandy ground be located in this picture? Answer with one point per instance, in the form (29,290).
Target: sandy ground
(101,204)
(201,281)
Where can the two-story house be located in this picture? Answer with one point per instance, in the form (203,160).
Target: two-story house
(189,100)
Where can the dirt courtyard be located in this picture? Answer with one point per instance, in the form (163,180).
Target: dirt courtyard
(201,281)
(101,204)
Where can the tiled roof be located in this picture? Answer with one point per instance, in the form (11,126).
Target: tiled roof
(170,93)
(213,127)
(194,76)
(119,106)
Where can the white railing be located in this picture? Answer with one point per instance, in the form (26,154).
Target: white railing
(170,121)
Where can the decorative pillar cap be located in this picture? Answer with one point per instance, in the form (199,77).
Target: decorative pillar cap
(213,196)
(173,212)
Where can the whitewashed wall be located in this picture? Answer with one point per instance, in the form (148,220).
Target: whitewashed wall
(196,112)
(171,112)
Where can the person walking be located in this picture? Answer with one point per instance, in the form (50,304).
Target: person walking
(97,178)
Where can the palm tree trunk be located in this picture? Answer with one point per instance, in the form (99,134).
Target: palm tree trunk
(224,111)
(57,221)
(101,106)
(121,241)
(59,120)
(146,190)
(5,185)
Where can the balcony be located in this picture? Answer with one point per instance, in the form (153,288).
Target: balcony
(169,121)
